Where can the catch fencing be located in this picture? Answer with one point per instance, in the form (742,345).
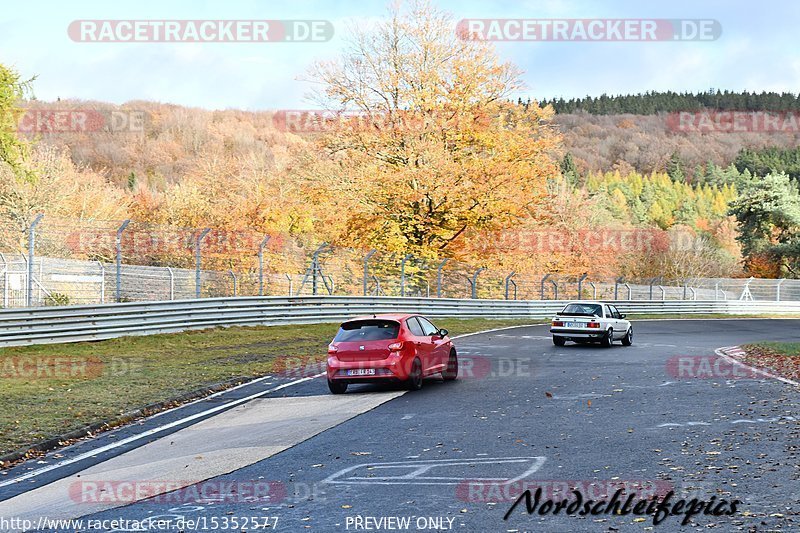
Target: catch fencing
(54,262)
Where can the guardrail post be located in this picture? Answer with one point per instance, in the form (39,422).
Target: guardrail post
(778,290)
(508,281)
(580,284)
(403,274)
(474,283)
(594,290)
(555,289)
(171,283)
(118,242)
(439,278)
(197,260)
(366,269)
(261,265)
(541,287)
(233,276)
(31,246)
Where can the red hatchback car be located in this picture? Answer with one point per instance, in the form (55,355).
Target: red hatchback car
(402,348)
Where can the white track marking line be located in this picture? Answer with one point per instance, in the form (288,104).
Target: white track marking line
(150,432)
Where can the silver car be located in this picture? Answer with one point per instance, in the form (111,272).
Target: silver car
(587,321)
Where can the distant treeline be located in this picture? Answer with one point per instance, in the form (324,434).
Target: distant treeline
(650,103)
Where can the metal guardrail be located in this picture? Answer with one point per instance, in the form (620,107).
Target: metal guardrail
(50,325)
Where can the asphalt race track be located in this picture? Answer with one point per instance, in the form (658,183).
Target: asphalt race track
(454,456)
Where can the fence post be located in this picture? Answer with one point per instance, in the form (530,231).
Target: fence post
(403,274)
(663,292)
(377,285)
(475,283)
(261,265)
(439,278)
(508,281)
(594,290)
(580,284)
(291,284)
(694,293)
(233,276)
(545,278)
(171,284)
(118,242)
(616,287)
(778,290)
(366,269)
(197,260)
(31,245)
(102,282)
(716,291)
(555,289)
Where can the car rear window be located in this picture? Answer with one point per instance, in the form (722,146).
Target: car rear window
(582,310)
(368,330)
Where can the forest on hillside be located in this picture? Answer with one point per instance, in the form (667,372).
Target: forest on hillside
(427,190)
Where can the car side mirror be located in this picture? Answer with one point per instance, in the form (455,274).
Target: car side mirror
(622,316)
(442,333)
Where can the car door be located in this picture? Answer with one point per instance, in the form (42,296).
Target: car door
(617,322)
(422,343)
(609,320)
(436,343)
(623,324)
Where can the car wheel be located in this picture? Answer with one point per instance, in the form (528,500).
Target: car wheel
(559,341)
(415,376)
(337,387)
(608,340)
(451,372)
(627,340)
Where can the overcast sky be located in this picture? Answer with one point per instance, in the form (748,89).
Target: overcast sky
(758,50)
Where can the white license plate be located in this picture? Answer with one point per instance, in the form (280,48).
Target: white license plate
(575,324)
(361,372)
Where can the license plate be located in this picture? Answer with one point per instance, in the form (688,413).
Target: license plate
(361,372)
(575,324)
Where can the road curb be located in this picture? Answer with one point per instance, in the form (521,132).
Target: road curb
(732,355)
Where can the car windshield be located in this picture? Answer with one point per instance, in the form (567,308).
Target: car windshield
(367,330)
(582,310)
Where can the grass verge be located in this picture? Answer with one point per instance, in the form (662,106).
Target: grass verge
(780,358)
(49,390)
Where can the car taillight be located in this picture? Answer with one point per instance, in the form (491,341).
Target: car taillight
(595,325)
(396,346)
(332,348)
(558,323)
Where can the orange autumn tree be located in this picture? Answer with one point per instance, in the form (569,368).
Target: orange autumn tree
(432,150)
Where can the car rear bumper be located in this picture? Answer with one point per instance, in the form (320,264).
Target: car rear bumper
(585,334)
(391,369)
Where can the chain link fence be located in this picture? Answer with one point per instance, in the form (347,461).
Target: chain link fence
(67,262)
